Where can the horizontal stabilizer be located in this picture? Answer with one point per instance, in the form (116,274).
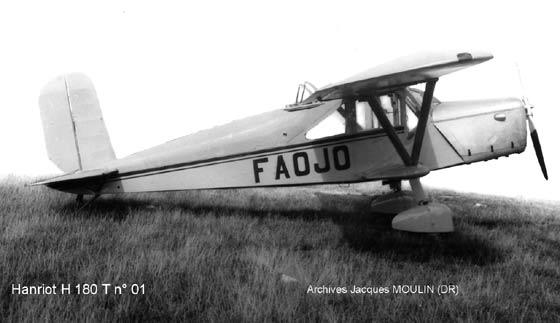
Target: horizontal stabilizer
(86,182)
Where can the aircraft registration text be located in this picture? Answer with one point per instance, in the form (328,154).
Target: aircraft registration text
(298,163)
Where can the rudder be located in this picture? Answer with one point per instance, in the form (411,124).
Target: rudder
(75,133)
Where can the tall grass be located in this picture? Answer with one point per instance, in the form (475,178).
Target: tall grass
(232,254)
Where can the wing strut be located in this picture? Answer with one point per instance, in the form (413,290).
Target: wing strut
(408,159)
(423,120)
(388,127)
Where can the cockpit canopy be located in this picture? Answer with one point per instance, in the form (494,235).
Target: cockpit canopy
(355,115)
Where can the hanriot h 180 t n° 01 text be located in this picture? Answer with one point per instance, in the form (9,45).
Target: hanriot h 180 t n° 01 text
(370,127)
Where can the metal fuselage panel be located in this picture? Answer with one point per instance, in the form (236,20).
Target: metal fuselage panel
(483,129)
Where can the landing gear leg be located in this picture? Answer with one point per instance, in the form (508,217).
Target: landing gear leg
(418,190)
(80,199)
(394,202)
(427,217)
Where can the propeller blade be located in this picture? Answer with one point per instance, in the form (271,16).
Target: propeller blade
(532,129)
(537,145)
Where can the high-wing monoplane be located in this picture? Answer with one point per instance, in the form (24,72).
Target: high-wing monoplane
(374,126)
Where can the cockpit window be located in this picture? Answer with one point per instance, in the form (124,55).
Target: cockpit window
(401,108)
(356,116)
(332,125)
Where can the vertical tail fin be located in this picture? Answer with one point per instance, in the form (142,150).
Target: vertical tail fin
(75,134)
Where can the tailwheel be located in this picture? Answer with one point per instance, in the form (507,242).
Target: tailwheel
(80,201)
(426,217)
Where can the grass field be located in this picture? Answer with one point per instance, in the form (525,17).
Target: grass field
(234,255)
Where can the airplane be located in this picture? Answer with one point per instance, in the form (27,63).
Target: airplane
(373,126)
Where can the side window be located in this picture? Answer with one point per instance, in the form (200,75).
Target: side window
(365,117)
(392,108)
(357,116)
(411,119)
(333,125)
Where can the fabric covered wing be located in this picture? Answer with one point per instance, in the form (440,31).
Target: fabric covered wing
(400,72)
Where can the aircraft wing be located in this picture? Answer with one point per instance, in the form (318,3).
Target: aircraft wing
(80,182)
(404,71)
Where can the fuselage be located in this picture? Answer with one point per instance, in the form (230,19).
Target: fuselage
(372,126)
(274,148)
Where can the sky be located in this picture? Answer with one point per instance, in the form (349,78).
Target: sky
(166,69)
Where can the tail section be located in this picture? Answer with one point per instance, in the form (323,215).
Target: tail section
(75,134)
